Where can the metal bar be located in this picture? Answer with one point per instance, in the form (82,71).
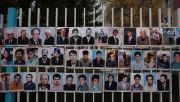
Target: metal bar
(160,97)
(29,17)
(179,83)
(150,17)
(131,17)
(140,13)
(103,15)
(169,17)
(65,23)
(122,19)
(122,96)
(74,17)
(84,22)
(47,17)
(55,92)
(56,17)
(18,93)
(170,94)
(1,21)
(112,17)
(46,93)
(20,17)
(141,97)
(94,18)
(38,17)
(178,17)
(159,17)
(37,93)
(27,94)
(131,96)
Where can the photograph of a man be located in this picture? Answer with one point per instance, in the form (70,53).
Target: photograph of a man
(16,83)
(69,86)
(44,80)
(35,40)
(44,60)
(11,38)
(114,40)
(23,37)
(89,38)
(150,82)
(98,58)
(163,82)
(111,83)
(29,84)
(136,82)
(129,36)
(72,61)
(49,40)
(62,36)
(56,82)
(85,61)
(75,39)
(83,85)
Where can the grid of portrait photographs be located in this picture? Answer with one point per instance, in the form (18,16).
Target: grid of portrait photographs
(90,58)
(85,82)
(101,36)
(56,47)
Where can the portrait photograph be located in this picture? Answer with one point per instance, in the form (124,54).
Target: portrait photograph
(44,55)
(75,35)
(48,36)
(150,83)
(156,34)
(124,57)
(137,60)
(143,36)
(19,56)
(150,60)
(101,35)
(169,36)
(137,82)
(112,58)
(177,36)
(88,35)
(1,36)
(62,36)
(7,56)
(35,39)
(129,36)
(175,59)
(10,35)
(29,81)
(82,82)
(114,35)
(163,81)
(110,81)
(57,57)
(163,59)
(124,81)
(98,58)
(23,35)
(57,82)
(72,58)
(85,58)
(95,82)
(69,81)
(44,81)
(4,81)
(16,81)
(32,56)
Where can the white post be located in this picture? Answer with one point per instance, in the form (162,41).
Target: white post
(27,95)
(46,93)
(47,17)
(159,17)
(112,17)
(37,94)
(29,17)
(65,23)
(103,15)
(84,22)
(20,17)
(94,18)
(122,17)
(150,17)
(56,18)
(74,17)
(131,17)
(178,18)
(55,92)
(18,93)
(169,17)
(38,17)
(140,13)
(2,20)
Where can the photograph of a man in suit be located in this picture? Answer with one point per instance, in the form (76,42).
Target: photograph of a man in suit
(49,38)
(110,84)
(58,57)
(69,83)
(143,38)
(35,40)
(98,61)
(75,39)
(123,84)
(44,60)
(88,39)
(11,40)
(114,40)
(130,36)
(163,83)
(73,61)
(62,37)
(23,39)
